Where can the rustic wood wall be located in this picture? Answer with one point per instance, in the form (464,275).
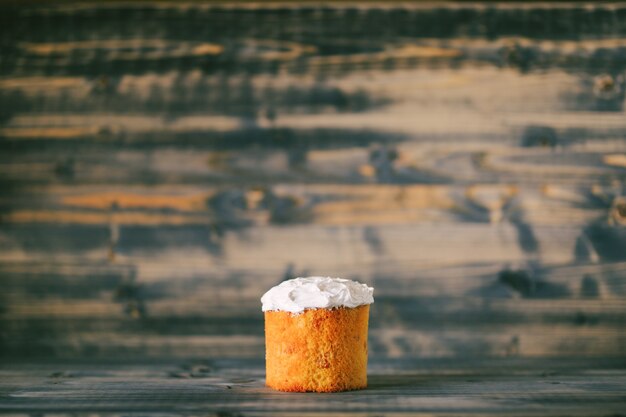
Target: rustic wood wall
(162,165)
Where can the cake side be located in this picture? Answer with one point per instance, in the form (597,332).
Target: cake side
(320,350)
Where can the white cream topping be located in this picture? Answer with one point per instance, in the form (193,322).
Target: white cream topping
(298,294)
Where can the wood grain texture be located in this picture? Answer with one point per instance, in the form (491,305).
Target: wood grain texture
(162,165)
(236,388)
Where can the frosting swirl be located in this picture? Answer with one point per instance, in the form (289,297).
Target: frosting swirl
(298,294)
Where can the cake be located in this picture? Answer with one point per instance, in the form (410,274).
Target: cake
(316,334)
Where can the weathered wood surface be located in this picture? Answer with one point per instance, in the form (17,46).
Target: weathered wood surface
(162,165)
(236,388)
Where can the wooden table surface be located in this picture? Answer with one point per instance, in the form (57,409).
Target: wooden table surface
(575,387)
(163,164)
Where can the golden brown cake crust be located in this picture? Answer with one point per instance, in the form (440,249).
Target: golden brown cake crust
(321,350)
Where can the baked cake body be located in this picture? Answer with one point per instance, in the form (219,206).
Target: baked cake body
(320,350)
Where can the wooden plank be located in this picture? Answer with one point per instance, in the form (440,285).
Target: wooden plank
(419,164)
(559,311)
(432,387)
(111,339)
(224,22)
(572,284)
(71,104)
(337,205)
(351,250)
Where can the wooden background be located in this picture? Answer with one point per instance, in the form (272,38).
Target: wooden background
(162,165)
